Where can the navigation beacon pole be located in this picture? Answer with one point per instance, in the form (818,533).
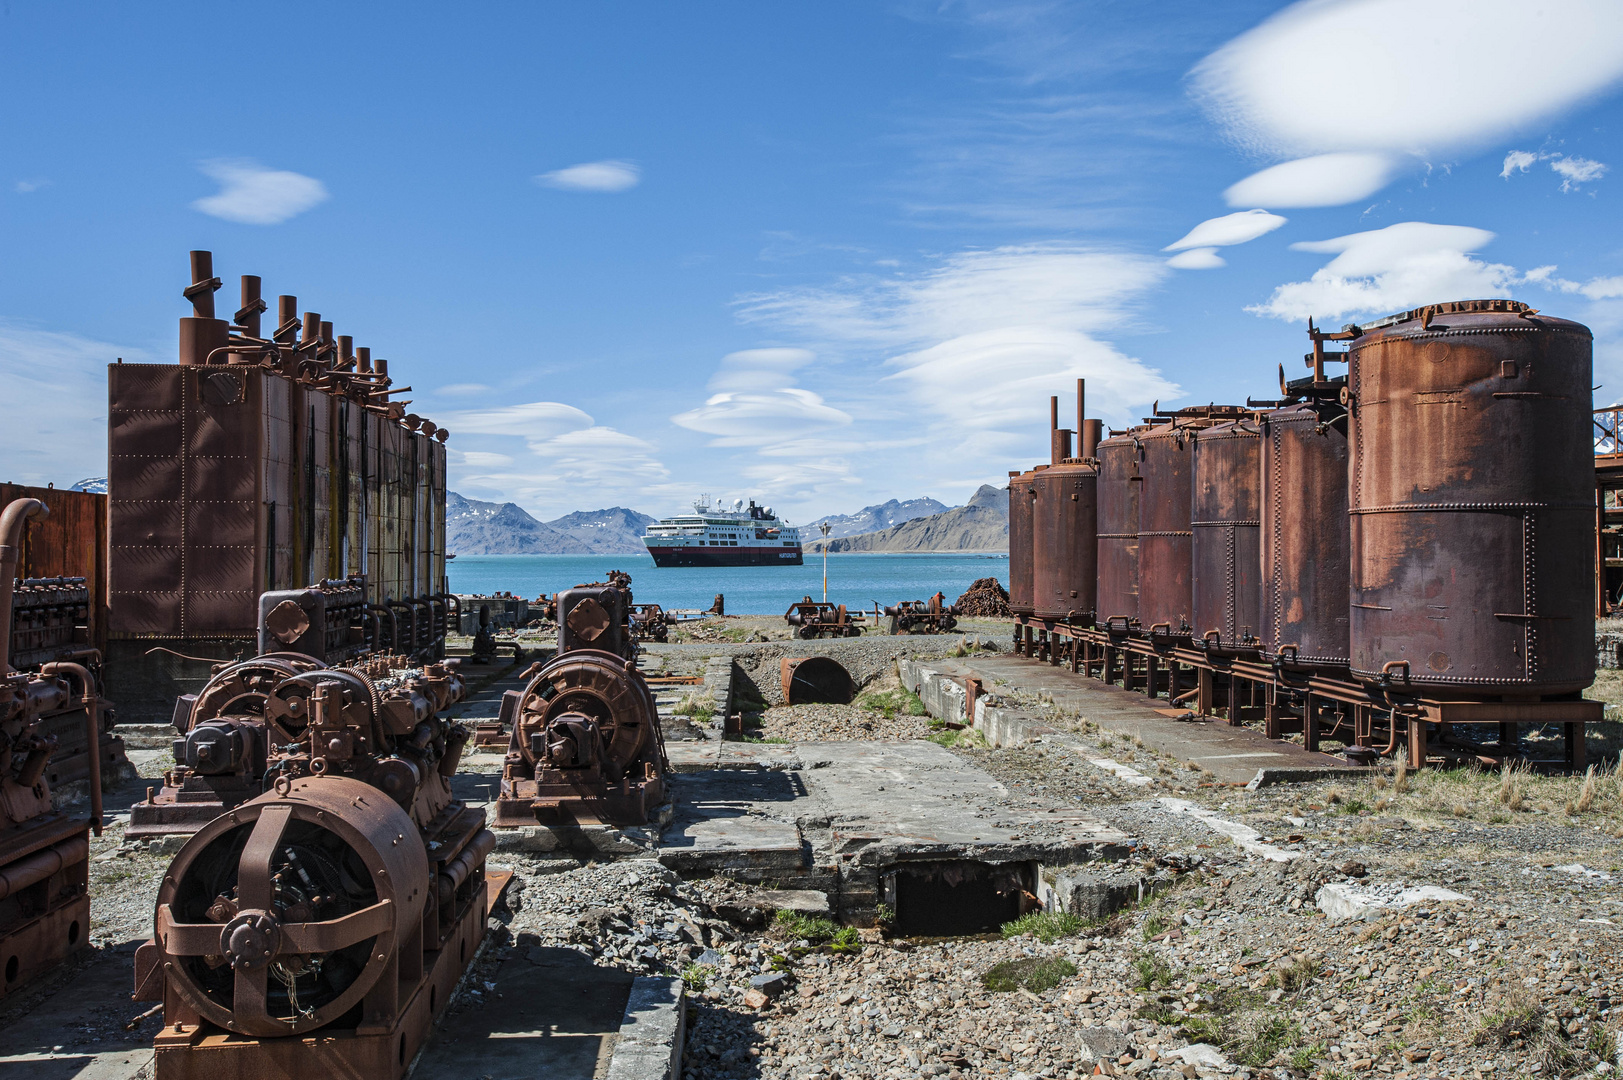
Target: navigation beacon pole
(824,529)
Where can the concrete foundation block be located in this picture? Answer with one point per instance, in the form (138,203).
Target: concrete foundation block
(650,1043)
(1094,892)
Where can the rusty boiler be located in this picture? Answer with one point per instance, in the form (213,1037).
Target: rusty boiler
(1118,484)
(1165,539)
(1021,494)
(1064,526)
(1305,536)
(1472,497)
(324,923)
(1226,543)
(585,746)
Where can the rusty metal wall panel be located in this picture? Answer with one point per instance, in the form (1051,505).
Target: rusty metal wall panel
(145,447)
(1226,520)
(1305,536)
(220,479)
(70,542)
(439,480)
(1472,495)
(1064,531)
(1116,595)
(1165,540)
(277,499)
(1021,495)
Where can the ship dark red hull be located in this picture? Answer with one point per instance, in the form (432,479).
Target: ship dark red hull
(739,556)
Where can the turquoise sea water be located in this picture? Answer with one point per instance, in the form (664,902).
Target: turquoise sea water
(857,580)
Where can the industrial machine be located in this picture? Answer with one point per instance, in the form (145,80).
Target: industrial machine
(932,616)
(815,619)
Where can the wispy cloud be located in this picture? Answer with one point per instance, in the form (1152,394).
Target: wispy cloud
(1518,161)
(1577,170)
(758,403)
(1321,180)
(599,176)
(254,195)
(1202,258)
(26,187)
(68,441)
(1400,266)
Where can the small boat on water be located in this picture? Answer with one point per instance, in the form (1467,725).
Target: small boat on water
(719,535)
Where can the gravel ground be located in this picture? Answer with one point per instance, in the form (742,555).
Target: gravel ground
(839,723)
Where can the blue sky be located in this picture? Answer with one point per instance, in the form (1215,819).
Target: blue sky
(820,255)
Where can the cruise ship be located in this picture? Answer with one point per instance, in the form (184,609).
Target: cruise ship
(724,536)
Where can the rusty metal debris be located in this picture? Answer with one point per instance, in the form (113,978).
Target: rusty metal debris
(344,901)
(44,851)
(649,623)
(932,616)
(585,745)
(815,619)
(985,597)
(809,680)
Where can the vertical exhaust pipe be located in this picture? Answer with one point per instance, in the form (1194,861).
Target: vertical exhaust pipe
(363,360)
(1059,439)
(252,305)
(13,521)
(201,334)
(1087,431)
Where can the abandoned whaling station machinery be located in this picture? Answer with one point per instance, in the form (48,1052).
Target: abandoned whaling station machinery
(585,744)
(259,463)
(44,848)
(1381,557)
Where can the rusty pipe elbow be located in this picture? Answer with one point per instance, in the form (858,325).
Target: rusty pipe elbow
(13,521)
(87,687)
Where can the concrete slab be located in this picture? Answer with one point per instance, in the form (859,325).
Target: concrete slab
(735,819)
(649,1046)
(1232,755)
(552,1013)
(77,1032)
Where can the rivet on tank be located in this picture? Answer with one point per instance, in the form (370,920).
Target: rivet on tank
(1473,503)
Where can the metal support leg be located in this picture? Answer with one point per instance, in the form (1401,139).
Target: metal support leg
(1310,723)
(1417,742)
(1152,674)
(1203,700)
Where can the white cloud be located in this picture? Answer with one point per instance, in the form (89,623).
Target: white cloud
(1322,180)
(1392,269)
(66,442)
(481,459)
(1577,170)
(761,419)
(254,195)
(25,187)
(1518,161)
(602,176)
(1205,258)
(760,369)
(463,389)
(1419,76)
(978,342)
(1228,230)
(534,420)
(1606,288)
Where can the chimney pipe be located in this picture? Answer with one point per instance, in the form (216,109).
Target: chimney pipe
(346,350)
(1059,439)
(287,312)
(312,328)
(363,359)
(252,305)
(201,334)
(381,366)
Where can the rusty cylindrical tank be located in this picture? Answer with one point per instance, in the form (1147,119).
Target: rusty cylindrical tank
(1226,522)
(313,888)
(1020,552)
(1165,540)
(1116,596)
(1305,535)
(1064,541)
(1473,499)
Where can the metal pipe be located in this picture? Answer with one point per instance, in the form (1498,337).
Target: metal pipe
(19,875)
(201,291)
(312,329)
(363,360)
(252,305)
(1081,396)
(92,731)
(13,523)
(287,319)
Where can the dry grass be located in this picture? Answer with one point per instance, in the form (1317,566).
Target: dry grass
(1595,798)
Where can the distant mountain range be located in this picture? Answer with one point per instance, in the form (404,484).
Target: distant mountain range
(473,527)
(980,525)
(873,518)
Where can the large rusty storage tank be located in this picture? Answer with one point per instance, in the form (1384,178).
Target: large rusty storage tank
(1165,541)
(1226,514)
(1063,541)
(1116,596)
(1305,535)
(1472,494)
(1020,554)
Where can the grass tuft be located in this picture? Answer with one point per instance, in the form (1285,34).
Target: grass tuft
(1046,926)
(1033,973)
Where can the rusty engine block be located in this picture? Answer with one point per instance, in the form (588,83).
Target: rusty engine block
(230,732)
(815,619)
(44,851)
(324,917)
(932,616)
(585,746)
